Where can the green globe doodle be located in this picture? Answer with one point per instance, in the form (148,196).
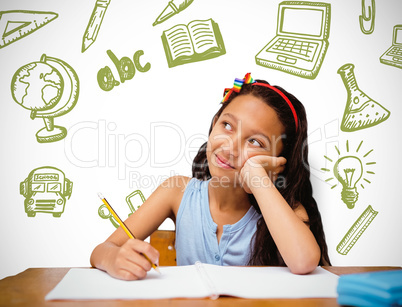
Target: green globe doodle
(49,88)
(37,86)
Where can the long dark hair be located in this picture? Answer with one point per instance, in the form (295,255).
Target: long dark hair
(293,183)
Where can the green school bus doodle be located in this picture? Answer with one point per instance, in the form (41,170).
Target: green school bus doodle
(48,88)
(46,189)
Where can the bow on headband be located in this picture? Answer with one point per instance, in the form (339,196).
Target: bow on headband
(238,83)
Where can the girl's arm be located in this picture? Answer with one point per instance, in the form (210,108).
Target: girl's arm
(296,243)
(120,256)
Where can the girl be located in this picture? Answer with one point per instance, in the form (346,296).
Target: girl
(249,201)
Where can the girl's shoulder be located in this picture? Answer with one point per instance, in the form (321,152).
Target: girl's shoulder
(176,183)
(173,190)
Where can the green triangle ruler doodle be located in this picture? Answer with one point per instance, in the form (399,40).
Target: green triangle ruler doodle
(361,111)
(15,25)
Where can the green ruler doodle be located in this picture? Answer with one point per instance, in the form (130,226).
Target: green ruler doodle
(357,229)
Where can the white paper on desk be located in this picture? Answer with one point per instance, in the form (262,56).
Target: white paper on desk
(190,282)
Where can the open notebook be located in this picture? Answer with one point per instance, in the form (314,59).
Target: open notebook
(197,281)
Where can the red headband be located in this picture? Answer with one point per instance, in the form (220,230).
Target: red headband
(284,97)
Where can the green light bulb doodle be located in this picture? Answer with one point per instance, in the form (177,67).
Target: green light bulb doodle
(348,170)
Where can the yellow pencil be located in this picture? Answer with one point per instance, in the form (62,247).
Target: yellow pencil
(128,232)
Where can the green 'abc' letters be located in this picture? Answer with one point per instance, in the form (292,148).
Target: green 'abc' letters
(125,67)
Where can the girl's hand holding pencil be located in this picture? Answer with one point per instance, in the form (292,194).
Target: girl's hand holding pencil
(127,261)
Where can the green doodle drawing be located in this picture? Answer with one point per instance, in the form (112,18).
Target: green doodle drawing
(104,212)
(357,229)
(393,56)
(49,88)
(15,25)
(173,7)
(198,41)
(348,170)
(367,16)
(301,40)
(131,200)
(125,67)
(94,24)
(46,189)
(361,111)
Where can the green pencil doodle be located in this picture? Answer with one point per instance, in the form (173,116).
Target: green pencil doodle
(393,55)
(125,67)
(94,24)
(299,47)
(132,203)
(198,41)
(46,189)
(172,8)
(367,16)
(361,111)
(356,230)
(17,24)
(49,88)
(348,170)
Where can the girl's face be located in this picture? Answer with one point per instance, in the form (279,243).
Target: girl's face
(247,127)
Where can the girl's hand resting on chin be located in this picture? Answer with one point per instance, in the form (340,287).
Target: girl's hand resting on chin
(261,171)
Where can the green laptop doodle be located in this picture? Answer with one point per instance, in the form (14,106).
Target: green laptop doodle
(393,55)
(301,40)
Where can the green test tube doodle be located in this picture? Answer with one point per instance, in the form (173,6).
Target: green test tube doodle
(361,111)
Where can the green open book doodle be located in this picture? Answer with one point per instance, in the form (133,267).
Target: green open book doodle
(198,41)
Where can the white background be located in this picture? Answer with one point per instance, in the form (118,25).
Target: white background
(149,127)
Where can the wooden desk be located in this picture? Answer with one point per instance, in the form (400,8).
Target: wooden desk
(30,287)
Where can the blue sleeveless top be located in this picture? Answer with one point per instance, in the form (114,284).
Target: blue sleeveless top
(196,231)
